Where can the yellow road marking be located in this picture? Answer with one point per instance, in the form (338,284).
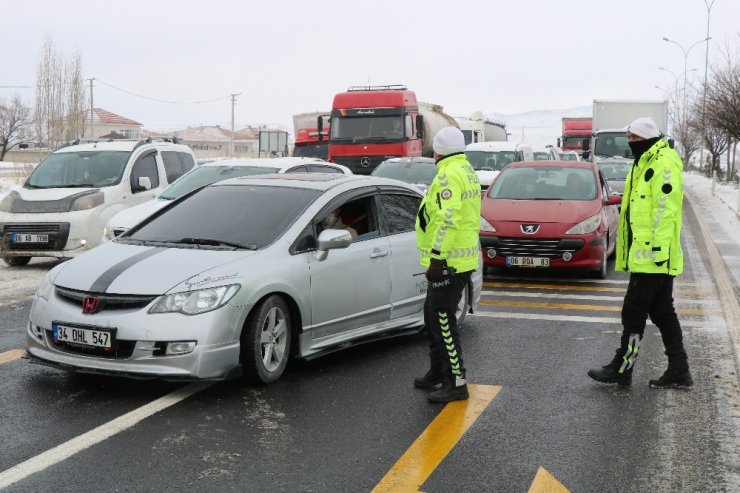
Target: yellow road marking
(571,306)
(11,355)
(544,482)
(574,287)
(433,445)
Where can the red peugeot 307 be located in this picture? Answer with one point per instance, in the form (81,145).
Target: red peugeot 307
(549,214)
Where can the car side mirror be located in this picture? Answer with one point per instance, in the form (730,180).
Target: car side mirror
(331,239)
(614,200)
(558,141)
(144,183)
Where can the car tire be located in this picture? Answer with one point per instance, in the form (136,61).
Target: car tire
(600,273)
(17,261)
(463,306)
(265,341)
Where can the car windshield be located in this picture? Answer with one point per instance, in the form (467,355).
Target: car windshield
(79,169)
(249,216)
(490,160)
(615,171)
(200,177)
(410,172)
(567,156)
(544,183)
(359,128)
(612,144)
(541,156)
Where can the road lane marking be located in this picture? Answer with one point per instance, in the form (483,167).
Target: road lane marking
(574,287)
(676,283)
(573,306)
(439,438)
(11,355)
(695,324)
(78,444)
(594,297)
(544,482)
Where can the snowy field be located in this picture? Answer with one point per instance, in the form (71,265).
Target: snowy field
(18,283)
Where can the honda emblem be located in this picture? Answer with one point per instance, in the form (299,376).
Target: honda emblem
(90,304)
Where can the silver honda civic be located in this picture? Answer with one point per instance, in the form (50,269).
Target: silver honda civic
(235,278)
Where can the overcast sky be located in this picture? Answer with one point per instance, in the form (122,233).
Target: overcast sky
(288,57)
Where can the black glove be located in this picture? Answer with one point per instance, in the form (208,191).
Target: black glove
(434,272)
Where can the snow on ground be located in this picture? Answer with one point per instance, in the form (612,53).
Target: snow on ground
(17,283)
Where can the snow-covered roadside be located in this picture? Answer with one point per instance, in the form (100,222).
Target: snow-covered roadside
(721,206)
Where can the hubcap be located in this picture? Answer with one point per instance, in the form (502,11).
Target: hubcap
(273,339)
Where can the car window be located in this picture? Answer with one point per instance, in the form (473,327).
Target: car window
(188,162)
(318,168)
(241,214)
(407,171)
(298,169)
(172,165)
(544,183)
(359,214)
(79,169)
(145,166)
(205,175)
(490,160)
(399,211)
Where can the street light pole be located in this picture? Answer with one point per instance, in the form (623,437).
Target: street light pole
(685,59)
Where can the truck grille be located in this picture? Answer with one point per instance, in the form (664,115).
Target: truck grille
(361,165)
(58,234)
(531,247)
(106,301)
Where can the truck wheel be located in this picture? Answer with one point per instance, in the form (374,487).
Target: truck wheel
(17,261)
(265,341)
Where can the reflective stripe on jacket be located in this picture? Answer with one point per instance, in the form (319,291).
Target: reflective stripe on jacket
(448,221)
(650,219)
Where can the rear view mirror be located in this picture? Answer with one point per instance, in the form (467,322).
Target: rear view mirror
(320,127)
(614,200)
(586,144)
(420,126)
(143,184)
(331,239)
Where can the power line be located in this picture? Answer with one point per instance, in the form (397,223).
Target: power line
(162,100)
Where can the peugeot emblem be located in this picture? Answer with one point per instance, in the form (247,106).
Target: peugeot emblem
(365,162)
(529,229)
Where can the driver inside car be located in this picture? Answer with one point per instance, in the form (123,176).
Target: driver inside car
(334,221)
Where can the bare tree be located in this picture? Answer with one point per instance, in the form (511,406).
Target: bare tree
(15,119)
(683,119)
(60,97)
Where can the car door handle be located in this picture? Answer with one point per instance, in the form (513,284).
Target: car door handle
(379,253)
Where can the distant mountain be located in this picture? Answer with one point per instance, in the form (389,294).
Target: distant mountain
(540,127)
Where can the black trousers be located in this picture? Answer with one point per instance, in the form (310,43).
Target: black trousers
(440,306)
(652,295)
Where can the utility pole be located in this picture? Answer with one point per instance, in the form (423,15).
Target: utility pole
(92,115)
(231,144)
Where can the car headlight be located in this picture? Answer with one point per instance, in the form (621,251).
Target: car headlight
(584,227)
(45,288)
(194,302)
(7,203)
(486,226)
(87,202)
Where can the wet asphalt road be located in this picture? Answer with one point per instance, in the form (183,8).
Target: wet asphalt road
(339,423)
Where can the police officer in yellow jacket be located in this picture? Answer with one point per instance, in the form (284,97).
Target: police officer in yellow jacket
(649,248)
(447,227)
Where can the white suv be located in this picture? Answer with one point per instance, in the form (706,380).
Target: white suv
(69,197)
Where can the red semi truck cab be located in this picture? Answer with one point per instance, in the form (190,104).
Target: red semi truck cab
(309,143)
(575,130)
(370,124)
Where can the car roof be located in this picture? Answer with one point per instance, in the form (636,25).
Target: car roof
(119,145)
(492,146)
(553,164)
(313,181)
(280,164)
(407,160)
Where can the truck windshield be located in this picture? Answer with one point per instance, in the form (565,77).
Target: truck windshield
(490,160)
(360,128)
(574,142)
(79,169)
(612,144)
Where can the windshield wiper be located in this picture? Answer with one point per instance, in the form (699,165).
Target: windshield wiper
(77,185)
(210,241)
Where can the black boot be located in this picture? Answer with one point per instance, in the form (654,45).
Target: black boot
(450,391)
(430,381)
(619,370)
(673,378)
